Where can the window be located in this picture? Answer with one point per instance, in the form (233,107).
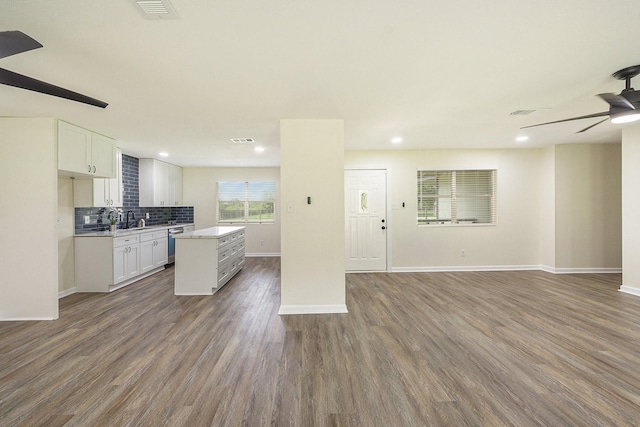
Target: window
(246,201)
(457,197)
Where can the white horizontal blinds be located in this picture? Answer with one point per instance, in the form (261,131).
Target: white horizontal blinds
(456,197)
(261,197)
(434,197)
(475,197)
(243,201)
(231,201)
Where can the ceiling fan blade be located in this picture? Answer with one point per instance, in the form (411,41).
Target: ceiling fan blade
(18,80)
(589,127)
(588,116)
(13,42)
(617,100)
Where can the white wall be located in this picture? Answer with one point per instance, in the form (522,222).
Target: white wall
(588,207)
(29,254)
(630,210)
(547,208)
(200,191)
(512,243)
(313,247)
(66,229)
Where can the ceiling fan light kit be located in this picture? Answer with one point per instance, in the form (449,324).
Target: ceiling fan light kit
(626,117)
(623,108)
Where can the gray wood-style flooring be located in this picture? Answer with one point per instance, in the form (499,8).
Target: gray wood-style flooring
(477,349)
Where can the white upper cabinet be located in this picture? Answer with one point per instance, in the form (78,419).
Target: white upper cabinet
(100,192)
(175,185)
(160,183)
(85,153)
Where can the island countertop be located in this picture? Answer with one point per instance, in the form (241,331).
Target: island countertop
(208,233)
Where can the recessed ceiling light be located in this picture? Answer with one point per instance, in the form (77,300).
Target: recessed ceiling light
(396,140)
(163,154)
(259,149)
(522,138)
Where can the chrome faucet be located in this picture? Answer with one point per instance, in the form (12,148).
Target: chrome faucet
(133,216)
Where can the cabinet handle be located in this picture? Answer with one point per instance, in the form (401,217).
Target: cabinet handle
(89,170)
(94,169)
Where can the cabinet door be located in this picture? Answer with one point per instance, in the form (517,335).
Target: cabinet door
(74,149)
(115,184)
(103,156)
(100,192)
(147,256)
(119,264)
(161,184)
(175,185)
(161,252)
(133,261)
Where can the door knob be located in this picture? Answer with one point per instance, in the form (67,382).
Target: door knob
(384,228)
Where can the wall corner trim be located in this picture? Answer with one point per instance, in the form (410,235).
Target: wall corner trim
(313,309)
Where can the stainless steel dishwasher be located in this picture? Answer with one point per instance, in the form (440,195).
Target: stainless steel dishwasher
(172,243)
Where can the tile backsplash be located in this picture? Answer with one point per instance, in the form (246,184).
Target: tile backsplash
(99,217)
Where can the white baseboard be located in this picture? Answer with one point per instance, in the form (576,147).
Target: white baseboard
(267,254)
(580,270)
(457,268)
(460,268)
(66,293)
(312,309)
(630,290)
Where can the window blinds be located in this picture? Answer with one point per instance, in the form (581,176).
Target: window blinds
(246,201)
(456,197)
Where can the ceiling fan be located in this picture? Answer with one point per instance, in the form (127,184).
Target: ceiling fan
(623,108)
(14,42)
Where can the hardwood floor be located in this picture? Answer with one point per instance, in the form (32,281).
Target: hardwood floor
(477,349)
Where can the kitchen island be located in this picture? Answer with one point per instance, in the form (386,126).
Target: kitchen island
(207,259)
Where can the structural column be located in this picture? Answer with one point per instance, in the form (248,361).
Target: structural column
(631,210)
(312,198)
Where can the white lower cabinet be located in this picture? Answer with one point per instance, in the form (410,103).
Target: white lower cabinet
(104,264)
(154,251)
(126,258)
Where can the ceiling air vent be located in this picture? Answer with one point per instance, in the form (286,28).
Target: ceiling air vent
(521,112)
(156,9)
(242,140)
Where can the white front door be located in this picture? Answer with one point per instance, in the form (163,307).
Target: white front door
(365,220)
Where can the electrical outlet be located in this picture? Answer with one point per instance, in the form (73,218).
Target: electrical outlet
(146,215)
(462,252)
(290,207)
(87,219)
(261,242)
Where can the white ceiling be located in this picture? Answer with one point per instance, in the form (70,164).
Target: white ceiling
(438,74)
